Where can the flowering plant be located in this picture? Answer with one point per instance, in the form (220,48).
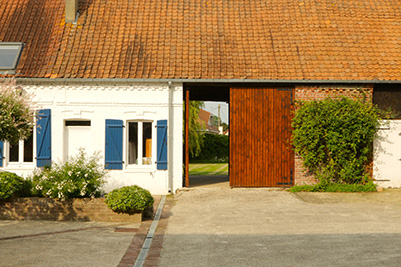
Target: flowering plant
(80,176)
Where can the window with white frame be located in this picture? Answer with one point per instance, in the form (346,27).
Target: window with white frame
(139,143)
(22,152)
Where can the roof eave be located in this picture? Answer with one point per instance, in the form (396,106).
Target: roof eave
(139,80)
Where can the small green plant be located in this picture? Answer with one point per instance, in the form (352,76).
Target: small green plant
(13,185)
(129,199)
(79,177)
(335,137)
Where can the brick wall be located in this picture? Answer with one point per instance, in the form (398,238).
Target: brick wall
(320,92)
(34,208)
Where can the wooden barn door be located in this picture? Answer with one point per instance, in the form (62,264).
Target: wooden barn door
(260,151)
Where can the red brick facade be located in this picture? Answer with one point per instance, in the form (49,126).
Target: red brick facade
(320,92)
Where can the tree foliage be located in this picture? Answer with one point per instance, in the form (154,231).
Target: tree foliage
(16,114)
(215,148)
(335,137)
(196,128)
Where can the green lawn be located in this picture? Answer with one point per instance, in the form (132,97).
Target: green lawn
(208,169)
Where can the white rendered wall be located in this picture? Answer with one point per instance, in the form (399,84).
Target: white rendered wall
(98,102)
(387,157)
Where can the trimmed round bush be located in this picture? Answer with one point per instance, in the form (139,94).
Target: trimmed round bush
(12,185)
(129,199)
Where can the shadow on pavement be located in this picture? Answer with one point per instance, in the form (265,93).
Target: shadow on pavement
(209,181)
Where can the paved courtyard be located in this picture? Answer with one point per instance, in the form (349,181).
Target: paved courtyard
(213,225)
(262,227)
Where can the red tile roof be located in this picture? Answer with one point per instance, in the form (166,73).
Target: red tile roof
(205,39)
(204,118)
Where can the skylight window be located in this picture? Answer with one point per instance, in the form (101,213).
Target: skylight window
(9,56)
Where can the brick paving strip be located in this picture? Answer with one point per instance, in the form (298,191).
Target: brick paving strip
(155,249)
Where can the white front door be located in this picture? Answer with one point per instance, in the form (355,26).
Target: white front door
(387,157)
(77,137)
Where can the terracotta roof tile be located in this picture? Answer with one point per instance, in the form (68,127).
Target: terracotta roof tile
(278,39)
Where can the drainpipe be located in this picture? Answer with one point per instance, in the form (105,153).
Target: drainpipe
(170,139)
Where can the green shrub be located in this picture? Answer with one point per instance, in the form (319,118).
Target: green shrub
(215,149)
(129,199)
(335,187)
(335,137)
(13,185)
(80,176)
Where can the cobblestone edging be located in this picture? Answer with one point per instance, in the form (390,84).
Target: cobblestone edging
(82,209)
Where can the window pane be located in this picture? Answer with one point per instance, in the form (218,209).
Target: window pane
(147,143)
(14,152)
(77,123)
(9,55)
(132,142)
(28,149)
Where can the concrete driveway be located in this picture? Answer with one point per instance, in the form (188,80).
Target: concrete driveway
(260,227)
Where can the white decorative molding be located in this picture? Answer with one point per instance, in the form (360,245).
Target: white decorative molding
(119,104)
(146,87)
(77,112)
(47,103)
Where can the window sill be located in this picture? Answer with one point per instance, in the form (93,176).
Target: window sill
(141,168)
(19,166)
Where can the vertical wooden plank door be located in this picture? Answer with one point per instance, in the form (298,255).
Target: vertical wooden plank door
(260,150)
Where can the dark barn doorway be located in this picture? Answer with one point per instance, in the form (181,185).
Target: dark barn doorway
(202,92)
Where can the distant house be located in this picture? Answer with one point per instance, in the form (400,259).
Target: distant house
(111,76)
(209,121)
(226,132)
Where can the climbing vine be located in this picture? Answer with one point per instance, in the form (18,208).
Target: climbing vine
(335,137)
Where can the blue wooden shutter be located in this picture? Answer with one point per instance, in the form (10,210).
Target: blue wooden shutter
(114,145)
(162,145)
(43,138)
(1,153)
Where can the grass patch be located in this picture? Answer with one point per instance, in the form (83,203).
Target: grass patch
(335,187)
(208,169)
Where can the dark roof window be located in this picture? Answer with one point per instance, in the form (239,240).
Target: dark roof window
(9,56)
